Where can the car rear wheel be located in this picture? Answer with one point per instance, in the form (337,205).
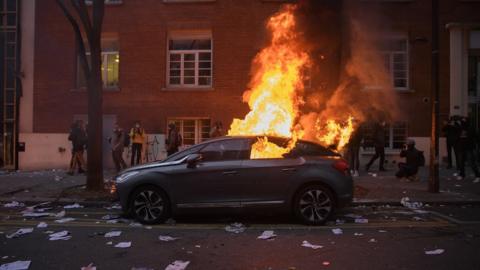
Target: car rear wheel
(314,204)
(149,205)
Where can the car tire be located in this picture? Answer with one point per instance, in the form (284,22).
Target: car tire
(314,205)
(150,205)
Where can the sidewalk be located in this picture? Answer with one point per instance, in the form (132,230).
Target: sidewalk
(372,188)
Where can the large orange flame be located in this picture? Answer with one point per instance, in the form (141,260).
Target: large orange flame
(276,91)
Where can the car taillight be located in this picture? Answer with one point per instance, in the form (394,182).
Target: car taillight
(341,166)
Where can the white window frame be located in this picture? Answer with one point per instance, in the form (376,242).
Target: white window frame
(183,36)
(104,70)
(391,134)
(198,127)
(391,54)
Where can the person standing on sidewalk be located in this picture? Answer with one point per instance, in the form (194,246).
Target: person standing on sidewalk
(137,135)
(379,144)
(174,139)
(117,142)
(451,131)
(466,148)
(354,150)
(78,136)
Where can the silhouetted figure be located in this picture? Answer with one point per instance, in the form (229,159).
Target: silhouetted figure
(379,144)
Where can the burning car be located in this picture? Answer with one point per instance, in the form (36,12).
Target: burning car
(310,181)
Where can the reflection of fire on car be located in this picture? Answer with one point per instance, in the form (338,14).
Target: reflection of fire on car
(310,181)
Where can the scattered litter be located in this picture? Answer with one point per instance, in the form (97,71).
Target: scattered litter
(42,225)
(178,265)
(267,235)
(113,234)
(148,227)
(58,178)
(374,174)
(434,252)
(354,216)
(372,240)
(89,267)
(309,245)
(235,228)
(405,201)
(114,207)
(361,220)
(326,263)
(135,225)
(4,257)
(110,217)
(73,206)
(110,243)
(19,232)
(382,231)
(62,235)
(123,245)
(358,234)
(339,221)
(458,185)
(14,204)
(64,220)
(337,231)
(60,214)
(18,265)
(477,180)
(198,246)
(167,238)
(418,219)
(36,215)
(418,211)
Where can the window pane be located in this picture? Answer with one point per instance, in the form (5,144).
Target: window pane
(189,65)
(400,83)
(175,73)
(204,64)
(11,19)
(175,57)
(174,80)
(190,44)
(11,36)
(189,57)
(109,45)
(204,81)
(400,75)
(189,80)
(113,61)
(189,73)
(174,65)
(224,150)
(399,58)
(204,56)
(204,72)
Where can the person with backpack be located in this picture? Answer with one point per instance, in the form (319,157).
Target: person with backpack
(137,137)
(118,142)
(414,160)
(174,139)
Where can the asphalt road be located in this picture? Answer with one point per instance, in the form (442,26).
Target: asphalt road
(393,238)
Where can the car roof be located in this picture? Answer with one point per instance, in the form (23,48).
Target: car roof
(255,136)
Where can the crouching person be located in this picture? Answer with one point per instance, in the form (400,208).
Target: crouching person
(414,159)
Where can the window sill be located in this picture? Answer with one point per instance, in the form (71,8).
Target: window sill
(187,89)
(105,89)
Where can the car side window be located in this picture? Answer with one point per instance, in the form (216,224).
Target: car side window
(225,150)
(184,153)
(303,148)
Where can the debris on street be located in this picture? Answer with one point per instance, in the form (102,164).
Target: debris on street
(178,265)
(64,220)
(60,214)
(309,245)
(19,233)
(267,235)
(358,234)
(123,245)
(405,201)
(235,228)
(167,238)
(113,234)
(337,231)
(62,235)
(89,267)
(434,252)
(361,220)
(73,206)
(42,225)
(18,265)
(13,204)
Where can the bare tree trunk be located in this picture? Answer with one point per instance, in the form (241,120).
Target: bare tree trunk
(92,30)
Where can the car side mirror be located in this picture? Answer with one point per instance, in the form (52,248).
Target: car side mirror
(192,160)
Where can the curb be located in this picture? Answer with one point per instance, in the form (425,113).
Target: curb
(62,201)
(430,202)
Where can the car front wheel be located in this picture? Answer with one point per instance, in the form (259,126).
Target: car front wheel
(149,205)
(314,204)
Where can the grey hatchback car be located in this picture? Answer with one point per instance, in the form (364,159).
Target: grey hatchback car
(309,182)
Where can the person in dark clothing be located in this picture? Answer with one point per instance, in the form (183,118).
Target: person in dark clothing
(452,133)
(465,148)
(117,142)
(174,139)
(414,159)
(354,150)
(137,137)
(379,144)
(78,137)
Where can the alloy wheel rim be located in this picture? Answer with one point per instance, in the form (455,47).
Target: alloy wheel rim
(315,205)
(148,205)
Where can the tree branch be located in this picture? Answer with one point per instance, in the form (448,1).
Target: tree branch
(78,35)
(82,12)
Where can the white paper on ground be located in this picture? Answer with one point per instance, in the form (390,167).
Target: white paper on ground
(18,265)
(358,234)
(135,225)
(62,235)
(113,234)
(89,267)
(309,245)
(13,204)
(167,238)
(337,231)
(60,214)
(73,206)
(352,216)
(123,245)
(19,232)
(267,235)
(434,252)
(361,220)
(36,214)
(42,225)
(372,240)
(178,265)
(64,220)
(235,228)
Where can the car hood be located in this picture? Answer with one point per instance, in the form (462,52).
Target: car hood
(153,165)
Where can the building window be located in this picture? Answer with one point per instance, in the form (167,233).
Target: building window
(396,134)
(110,65)
(395,55)
(189,62)
(193,130)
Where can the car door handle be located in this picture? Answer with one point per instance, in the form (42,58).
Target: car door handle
(229,172)
(289,169)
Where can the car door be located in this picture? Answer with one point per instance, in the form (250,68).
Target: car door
(269,179)
(216,180)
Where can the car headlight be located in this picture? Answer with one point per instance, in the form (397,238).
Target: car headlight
(123,177)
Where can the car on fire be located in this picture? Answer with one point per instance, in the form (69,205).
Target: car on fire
(309,182)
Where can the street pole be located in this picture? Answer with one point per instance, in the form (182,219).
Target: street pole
(433,184)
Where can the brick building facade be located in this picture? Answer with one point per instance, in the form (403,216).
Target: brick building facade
(190,61)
